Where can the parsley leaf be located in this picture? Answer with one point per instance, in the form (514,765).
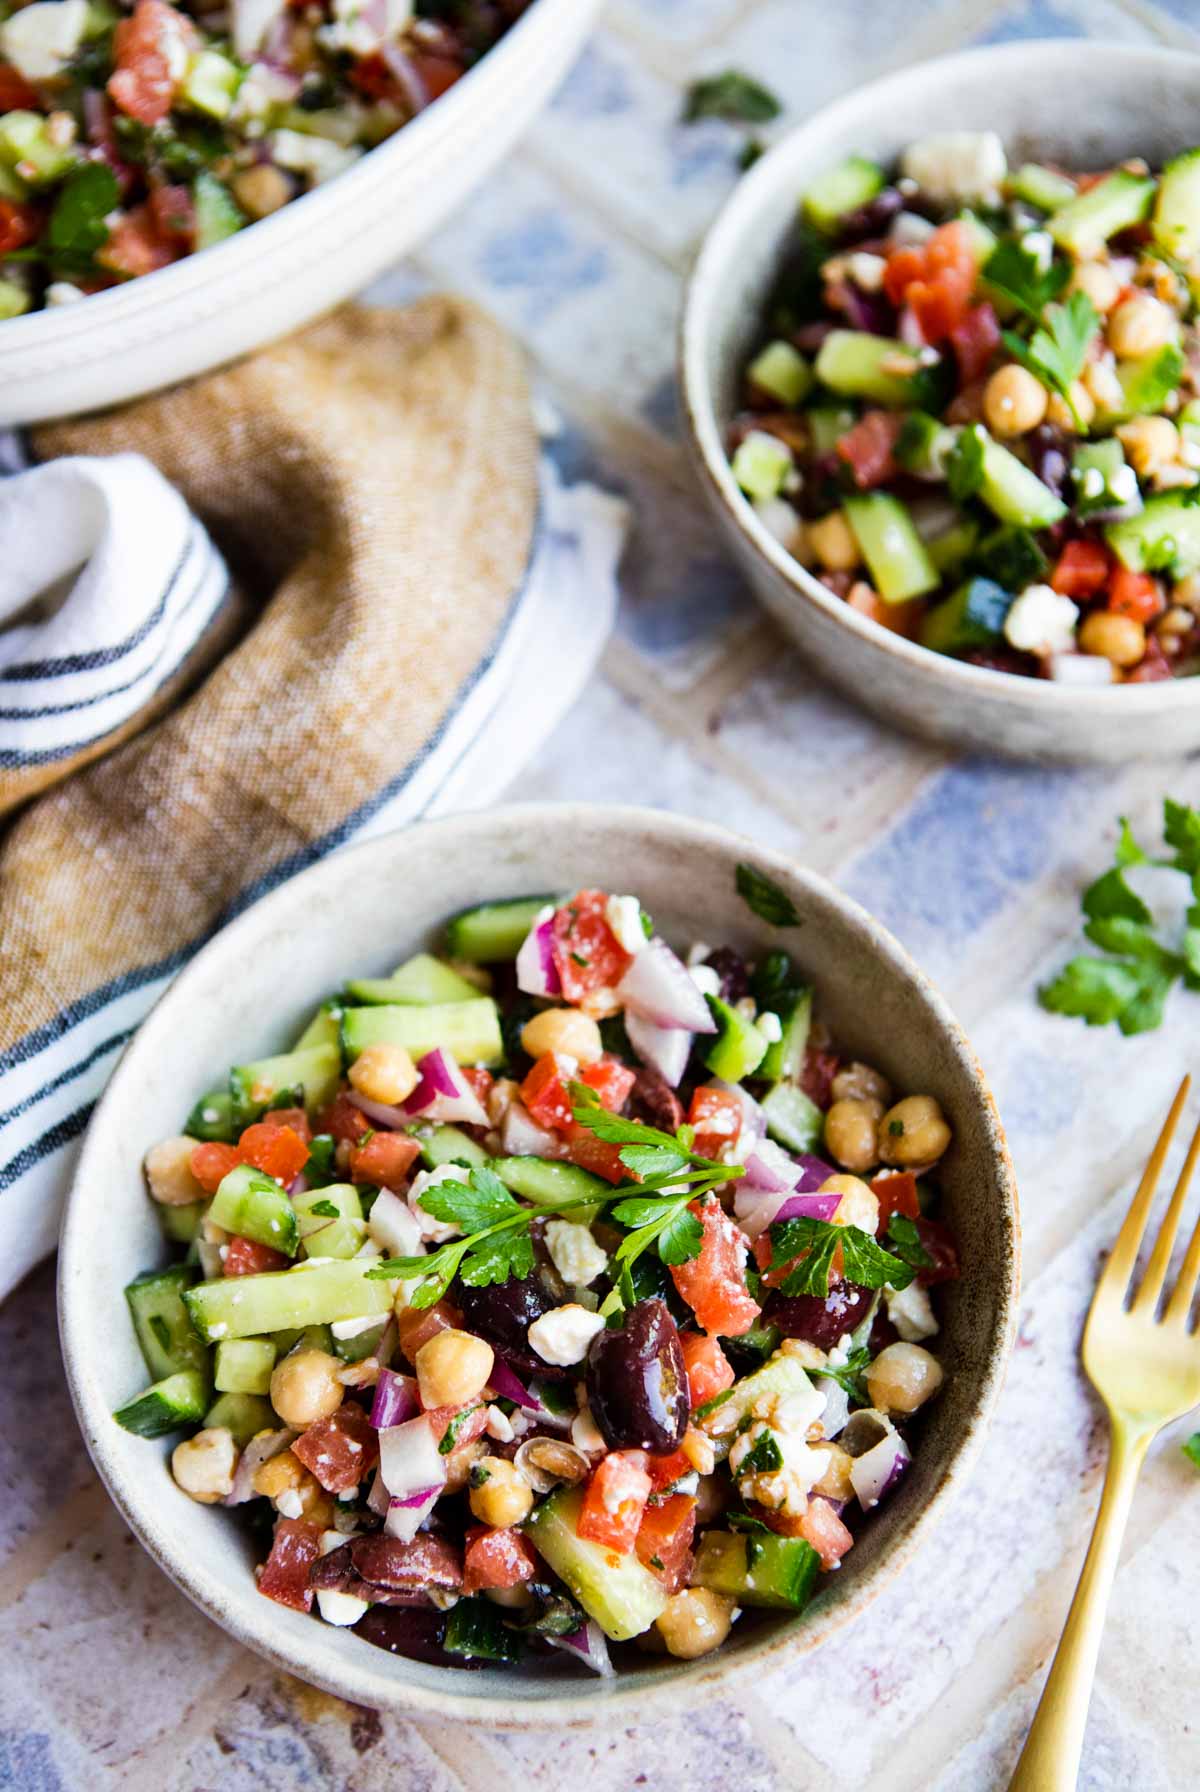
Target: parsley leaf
(1181,829)
(746,1521)
(964,465)
(765,1457)
(764,896)
(78,225)
(1057,350)
(326,1209)
(450,1435)
(868,1265)
(849,1375)
(731,95)
(653,1160)
(809,1245)
(496,1259)
(1018,274)
(905,1239)
(1191,1448)
(473,1206)
(1097,990)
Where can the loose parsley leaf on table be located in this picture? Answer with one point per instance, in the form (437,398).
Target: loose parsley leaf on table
(762,894)
(1191,1448)
(1057,350)
(731,95)
(808,1246)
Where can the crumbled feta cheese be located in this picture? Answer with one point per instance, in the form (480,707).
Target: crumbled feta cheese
(1040,245)
(340,1608)
(909,230)
(911,1312)
(698,953)
(40,38)
(574,1252)
(562,1335)
(866,270)
(499,1425)
(63,292)
(1081,669)
(780,520)
(624,916)
(586,1434)
(770,1026)
(354,1328)
(1092,483)
(393,1227)
(1123,485)
(957,167)
(1041,621)
(786,1488)
(314,156)
(288,1502)
(436,1230)
(841,1351)
(705,979)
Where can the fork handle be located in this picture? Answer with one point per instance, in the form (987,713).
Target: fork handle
(1050,1759)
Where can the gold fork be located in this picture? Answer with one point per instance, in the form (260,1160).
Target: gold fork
(1146,1369)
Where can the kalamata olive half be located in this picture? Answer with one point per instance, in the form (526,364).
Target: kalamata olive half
(504,1311)
(818,1321)
(636,1382)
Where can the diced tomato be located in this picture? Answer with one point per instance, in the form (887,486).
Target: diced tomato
(173,212)
(150,52)
(246,1257)
(284,1575)
(819,1525)
(385,1159)
(664,1540)
(340,1450)
(896,1194)
(480,1082)
(19,224)
(473,1423)
(212,1162)
(816,1077)
(614,1501)
(1081,569)
(416,1325)
(134,246)
(902,619)
(587,953)
(372,76)
(341,1118)
(1154,667)
(275,1150)
(904,266)
(596,1155)
(436,73)
(496,1559)
(974,341)
(612,1081)
(867,448)
(545,1094)
(935,280)
(664,1471)
(938,1240)
(717,1118)
(1135,594)
(709,1370)
(296,1118)
(714,1283)
(16,95)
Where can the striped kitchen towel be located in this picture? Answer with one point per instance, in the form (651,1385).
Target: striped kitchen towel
(308,598)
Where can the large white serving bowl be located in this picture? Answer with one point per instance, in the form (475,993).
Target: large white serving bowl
(288,268)
(1083,105)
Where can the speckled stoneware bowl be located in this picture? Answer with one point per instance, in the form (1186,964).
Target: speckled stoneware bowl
(1085,105)
(360,912)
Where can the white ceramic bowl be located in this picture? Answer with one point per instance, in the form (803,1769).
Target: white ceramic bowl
(288,268)
(358,913)
(1085,105)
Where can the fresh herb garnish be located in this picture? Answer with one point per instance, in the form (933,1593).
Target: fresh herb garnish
(762,894)
(450,1435)
(764,1458)
(733,96)
(1191,1448)
(905,1239)
(78,221)
(326,1209)
(849,1375)
(1131,987)
(808,1246)
(711,1406)
(1018,273)
(746,1521)
(1057,350)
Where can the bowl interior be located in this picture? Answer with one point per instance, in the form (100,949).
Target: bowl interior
(248,993)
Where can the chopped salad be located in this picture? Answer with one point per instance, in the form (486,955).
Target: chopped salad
(974,410)
(133,132)
(551,1293)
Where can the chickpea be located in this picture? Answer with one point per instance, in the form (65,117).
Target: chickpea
(565,1030)
(1103,386)
(903,1377)
(1099,283)
(315,1504)
(305,1387)
(861,1082)
(857,1207)
(1014,401)
(452,1368)
(1121,639)
(835,1483)
(1077,414)
(384,1073)
(262,190)
(1150,442)
(913,1132)
(696,1622)
(1139,326)
(1187,592)
(1174,624)
(850,1127)
(169,1172)
(505,1498)
(833,542)
(203,1465)
(277,1475)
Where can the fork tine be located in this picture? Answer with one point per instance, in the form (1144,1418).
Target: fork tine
(1184,1291)
(1147,1295)
(1124,1252)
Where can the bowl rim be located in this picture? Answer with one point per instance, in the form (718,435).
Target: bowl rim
(197,274)
(721,244)
(369,1682)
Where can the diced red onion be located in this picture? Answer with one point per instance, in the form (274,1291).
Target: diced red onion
(423,1496)
(771,1169)
(392,1226)
(379,1113)
(508,1386)
(909,330)
(379,1499)
(521,1135)
(588,1645)
(298,1185)
(409,1458)
(260,1449)
(837,1404)
(665,1049)
(880,1455)
(537,973)
(810,1207)
(405,1517)
(443,1093)
(395,1400)
(660,988)
(405,71)
(815,1172)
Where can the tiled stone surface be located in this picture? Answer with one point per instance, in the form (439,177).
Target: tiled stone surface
(111,1679)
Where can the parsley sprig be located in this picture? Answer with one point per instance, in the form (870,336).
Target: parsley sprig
(1021,277)
(808,1247)
(1131,986)
(1057,350)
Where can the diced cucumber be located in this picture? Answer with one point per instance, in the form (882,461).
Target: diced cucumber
(476,1630)
(244,1365)
(1084,224)
(25,143)
(423,979)
(243,1415)
(972,616)
(469,1031)
(210,85)
(11,184)
(353,1350)
(315,1071)
(738,1047)
(982,238)
(1010,556)
(181,1224)
(495,930)
(1102,476)
(721,1416)
(254,1206)
(781,371)
(447,1145)
(323,1234)
(167,1337)
(545,1183)
(623,1597)
(213,1117)
(852,184)
(309,1294)
(14,299)
(1176,225)
(762,464)
(218,214)
(857,365)
(325,1028)
(762,1569)
(793,1120)
(1165,537)
(785,1056)
(954,546)
(1042,187)
(1012,491)
(827,424)
(923,444)
(899,565)
(1148,382)
(175,1401)
(304,1337)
